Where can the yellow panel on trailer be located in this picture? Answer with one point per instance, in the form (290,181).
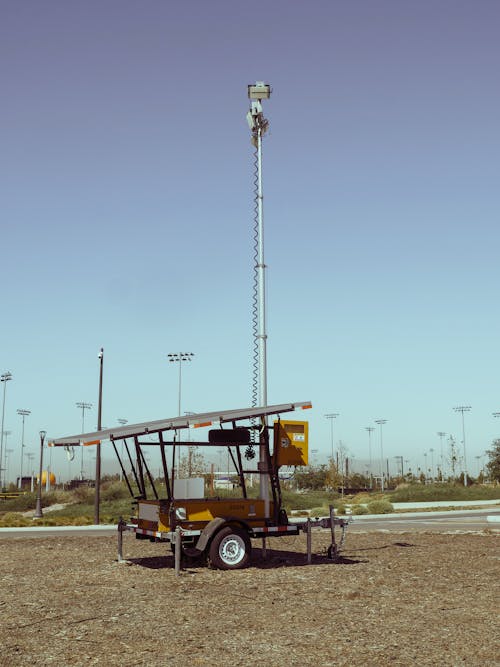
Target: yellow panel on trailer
(194,514)
(291,441)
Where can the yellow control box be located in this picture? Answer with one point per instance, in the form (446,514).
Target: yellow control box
(291,440)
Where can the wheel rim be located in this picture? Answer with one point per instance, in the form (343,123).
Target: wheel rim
(232,550)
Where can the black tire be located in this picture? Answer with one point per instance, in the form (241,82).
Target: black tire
(230,549)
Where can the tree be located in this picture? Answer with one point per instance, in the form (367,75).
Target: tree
(334,477)
(493,464)
(311,478)
(192,464)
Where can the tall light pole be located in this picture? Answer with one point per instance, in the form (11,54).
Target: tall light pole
(38,511)
(370,430)
(83,406)
(400,459)
(5,377)
(179,358)
(331,416)
(98,446)
(381,422)
(30,456)
(462,409)
(24,414)
(5,450)
(8,452)
(431,450)
(441,435)
(122,422)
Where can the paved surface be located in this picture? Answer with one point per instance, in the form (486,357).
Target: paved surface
(452,521)
(458,520)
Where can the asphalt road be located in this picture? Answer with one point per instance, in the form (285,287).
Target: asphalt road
(441,522)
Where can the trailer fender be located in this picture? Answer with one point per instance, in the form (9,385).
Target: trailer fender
(208,533)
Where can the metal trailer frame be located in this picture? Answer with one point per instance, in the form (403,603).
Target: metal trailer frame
(195,540)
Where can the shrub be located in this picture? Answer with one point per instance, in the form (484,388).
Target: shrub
(83,494)
(114,491)
(14,519)
(380,507)
(339,507)
(360,509)
(362,498)
(429,492)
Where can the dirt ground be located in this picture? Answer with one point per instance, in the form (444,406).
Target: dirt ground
(394,599)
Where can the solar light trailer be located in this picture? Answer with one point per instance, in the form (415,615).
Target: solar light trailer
(216,529)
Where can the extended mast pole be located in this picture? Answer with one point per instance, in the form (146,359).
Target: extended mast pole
(258,125)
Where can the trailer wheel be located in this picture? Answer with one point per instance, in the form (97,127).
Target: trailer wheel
(230,549)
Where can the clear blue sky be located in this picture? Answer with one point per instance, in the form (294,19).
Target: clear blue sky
(126,189)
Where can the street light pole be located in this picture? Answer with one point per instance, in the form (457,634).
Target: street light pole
(122,422)
(38,512)
(84,406)
(5,377)
(5,450)
(331,416)
(370,430)
(462,409)
(179,357)
(8,452)
(381,422)
(441,435)
(400,459)
(24,414)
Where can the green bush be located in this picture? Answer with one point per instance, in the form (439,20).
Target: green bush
(380,507)
(360,509)
(339,506)
(83,494)
(14,519)
(114,491)
(305,501)
(430,492)
(318,511)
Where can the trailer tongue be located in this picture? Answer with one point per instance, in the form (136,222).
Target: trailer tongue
(217,529)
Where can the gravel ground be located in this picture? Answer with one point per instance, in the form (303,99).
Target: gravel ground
(394,599)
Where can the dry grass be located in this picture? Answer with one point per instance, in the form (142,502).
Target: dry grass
(414,599)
